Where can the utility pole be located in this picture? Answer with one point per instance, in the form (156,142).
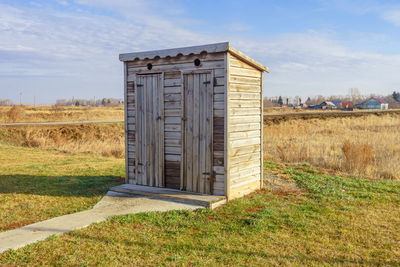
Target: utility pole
(34,101)
(20,98)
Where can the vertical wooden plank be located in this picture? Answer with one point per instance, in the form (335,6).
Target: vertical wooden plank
(155,120)
(139,117)
(144,130)
(139,129)
(189,133)
(183,138)
(152,121)
(148,127)
(196,124)
(209,131)
(203,133)
(226,126)
(143,136)
(126,121)
(160,166)
(137,125)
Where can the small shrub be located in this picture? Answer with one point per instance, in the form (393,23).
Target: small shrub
(117,152)
(358,156)
(33,142)
(16,113)
(293,153)
(56,111)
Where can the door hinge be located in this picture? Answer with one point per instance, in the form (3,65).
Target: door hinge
(139,85)
(207,82)
(206,173)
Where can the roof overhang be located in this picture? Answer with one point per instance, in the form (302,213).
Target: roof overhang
(192,50)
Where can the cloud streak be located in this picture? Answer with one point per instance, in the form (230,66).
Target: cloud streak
(393,16)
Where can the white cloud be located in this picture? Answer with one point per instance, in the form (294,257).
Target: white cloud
(238,27)
(63,3)
(393,16)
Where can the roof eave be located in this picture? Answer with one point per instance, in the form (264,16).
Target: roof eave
(193,50)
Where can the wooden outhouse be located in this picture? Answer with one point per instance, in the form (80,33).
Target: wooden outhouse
(193,119)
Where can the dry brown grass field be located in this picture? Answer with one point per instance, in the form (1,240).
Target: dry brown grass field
(364,146)
(58,113)
(105,139)
(279,110)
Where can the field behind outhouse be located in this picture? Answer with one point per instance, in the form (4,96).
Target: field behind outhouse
(367,146)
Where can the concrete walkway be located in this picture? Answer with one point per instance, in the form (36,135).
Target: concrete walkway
(112,204)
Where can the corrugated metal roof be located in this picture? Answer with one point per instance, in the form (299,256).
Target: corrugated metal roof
(380,100)
(376,99)
(192,50)
(336,102)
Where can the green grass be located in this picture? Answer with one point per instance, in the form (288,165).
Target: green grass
(38,184)
(331,220)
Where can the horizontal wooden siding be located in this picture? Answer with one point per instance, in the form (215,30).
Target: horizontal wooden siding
(244,117)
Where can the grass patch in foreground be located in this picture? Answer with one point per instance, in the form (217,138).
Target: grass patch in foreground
(38,184)
(331,220)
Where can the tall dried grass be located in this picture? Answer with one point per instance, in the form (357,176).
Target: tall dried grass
(103,139)
(368,146)
(14,114)
(58,113)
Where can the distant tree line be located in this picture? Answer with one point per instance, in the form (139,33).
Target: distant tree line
(106,102)
(396,96)
(353,95)
(6,102)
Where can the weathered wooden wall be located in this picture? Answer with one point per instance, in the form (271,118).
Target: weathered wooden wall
(130,130)
(244,127)
(172,68)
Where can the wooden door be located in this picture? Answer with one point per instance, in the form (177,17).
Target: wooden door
(197,138)
(150,130)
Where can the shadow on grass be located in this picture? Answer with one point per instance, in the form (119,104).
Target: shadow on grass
(82,186)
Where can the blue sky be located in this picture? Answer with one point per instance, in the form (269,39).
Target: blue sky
(69,48)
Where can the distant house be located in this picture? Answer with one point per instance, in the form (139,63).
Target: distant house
(324,105)
(373,103)
(346,105)
(303,105)
(343,104)
(337,103)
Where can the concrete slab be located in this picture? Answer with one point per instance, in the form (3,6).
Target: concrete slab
(112,203)
(209,201)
